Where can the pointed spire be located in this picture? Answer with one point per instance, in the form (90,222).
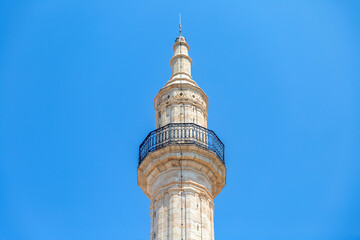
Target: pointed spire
(180,38)
(180,24)
(181,62)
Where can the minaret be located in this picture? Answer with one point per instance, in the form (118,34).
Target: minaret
(181,163)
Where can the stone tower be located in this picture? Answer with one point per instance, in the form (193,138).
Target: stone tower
(181,163)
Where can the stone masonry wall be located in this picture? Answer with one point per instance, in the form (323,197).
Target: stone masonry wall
(181,180)
(182,214)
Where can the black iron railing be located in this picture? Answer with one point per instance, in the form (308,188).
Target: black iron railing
(181,133)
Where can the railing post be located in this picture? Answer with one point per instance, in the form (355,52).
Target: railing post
(182,133)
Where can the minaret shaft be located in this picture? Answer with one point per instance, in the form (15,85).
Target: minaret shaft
(181,100)
(182,214)
(181,164)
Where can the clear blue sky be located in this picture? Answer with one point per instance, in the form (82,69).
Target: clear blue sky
(77,82)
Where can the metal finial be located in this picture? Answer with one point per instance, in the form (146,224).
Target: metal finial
(180,24)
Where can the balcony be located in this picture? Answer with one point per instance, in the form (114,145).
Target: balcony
(182,133)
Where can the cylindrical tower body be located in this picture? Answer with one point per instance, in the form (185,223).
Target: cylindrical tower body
(181,163)
(181,100)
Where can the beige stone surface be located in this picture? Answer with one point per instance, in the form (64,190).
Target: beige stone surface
(181,180)
(181,100)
